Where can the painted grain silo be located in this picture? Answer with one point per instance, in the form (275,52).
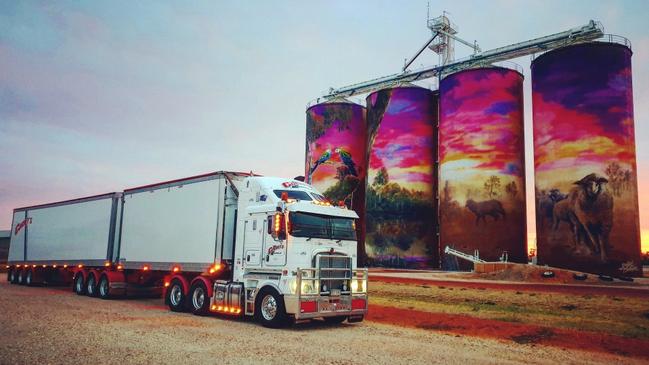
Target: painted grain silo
(401,186)
(336,162)
(482,164)
(584,159)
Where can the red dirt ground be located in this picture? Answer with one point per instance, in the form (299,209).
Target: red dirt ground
(544,288)
(519,333)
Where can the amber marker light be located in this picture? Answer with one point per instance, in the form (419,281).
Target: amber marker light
(33,265)
(213,307)
(176,269)
(107,264)
(166,284)
(44,266)
(65,266)
(145,268)
(54,266)
(80,266)
(119,267)
(215,268)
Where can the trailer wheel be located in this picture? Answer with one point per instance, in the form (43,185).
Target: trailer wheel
(198,300)
(14,276)
(269,309)
(175,297)
(10,275)
(103,289)
(91,286)
(29,278)
(79,285)
(21,277)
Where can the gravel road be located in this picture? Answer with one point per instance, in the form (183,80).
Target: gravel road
(55,326)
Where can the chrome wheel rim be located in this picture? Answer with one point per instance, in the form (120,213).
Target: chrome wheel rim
(11,276)
(198,298)
(176,295)
(269,307)
(103,287)
(20,278)
(28,278)
(90,288)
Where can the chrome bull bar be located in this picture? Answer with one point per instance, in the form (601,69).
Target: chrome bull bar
(310,302)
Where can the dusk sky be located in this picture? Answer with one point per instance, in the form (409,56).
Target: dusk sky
(101,96)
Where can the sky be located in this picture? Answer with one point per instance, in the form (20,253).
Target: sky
(101,96)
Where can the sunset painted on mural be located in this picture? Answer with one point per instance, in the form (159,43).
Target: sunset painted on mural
(404,140)
(481,129)
(599,101)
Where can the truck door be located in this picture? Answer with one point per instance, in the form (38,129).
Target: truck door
(274,253)
(252,241)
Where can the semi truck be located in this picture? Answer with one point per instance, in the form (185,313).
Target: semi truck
(224,243)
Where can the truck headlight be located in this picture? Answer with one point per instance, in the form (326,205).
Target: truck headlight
(309,286)
(358,286)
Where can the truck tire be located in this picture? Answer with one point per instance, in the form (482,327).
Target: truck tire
(21,277)
(199,302)
(11,275)
(103,288)
(175,297)
(79,286)
(14,276)
(335,320)
(269,309)
(29,278)
(91,286)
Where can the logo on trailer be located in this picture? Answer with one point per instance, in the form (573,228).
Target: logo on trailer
(22,225)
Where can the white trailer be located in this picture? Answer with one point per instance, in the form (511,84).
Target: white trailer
(224,242)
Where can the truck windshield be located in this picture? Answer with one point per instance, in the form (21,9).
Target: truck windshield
(293,194)
(321,226)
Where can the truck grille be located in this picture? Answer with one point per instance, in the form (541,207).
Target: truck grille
(335,272)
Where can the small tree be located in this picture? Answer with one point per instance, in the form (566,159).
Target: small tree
(491,186)
(381,178)
(511,189)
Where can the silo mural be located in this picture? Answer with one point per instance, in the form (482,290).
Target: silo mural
(336,156)
(482,162)
(584,159)
(401,185)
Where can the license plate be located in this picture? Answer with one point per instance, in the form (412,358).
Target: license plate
(333,307)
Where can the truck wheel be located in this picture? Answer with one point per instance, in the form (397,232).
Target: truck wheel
(91,286)
(79,285)
(198,300)
(335,320)
(103,289)
(269,309)
(29,278)
(9,275)
(14,276)
(21,277)
(175,298)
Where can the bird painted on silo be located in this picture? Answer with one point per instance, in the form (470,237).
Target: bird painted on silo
(324,158)
(346,158)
